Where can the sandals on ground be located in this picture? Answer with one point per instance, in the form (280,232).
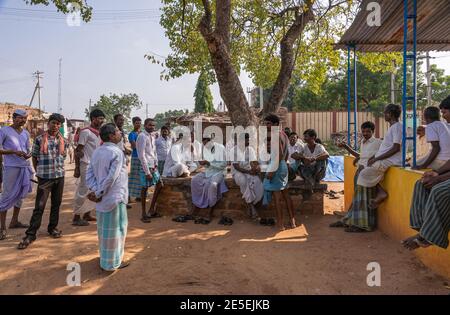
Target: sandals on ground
(55,233)
(338,224)
(2,235)
(146,219)
(202,221)
(267,221)
(26,241)
(354,229)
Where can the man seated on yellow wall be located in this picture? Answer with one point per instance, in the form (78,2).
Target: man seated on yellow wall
(430,210)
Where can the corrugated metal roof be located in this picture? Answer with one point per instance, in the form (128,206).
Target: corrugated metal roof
(433,27)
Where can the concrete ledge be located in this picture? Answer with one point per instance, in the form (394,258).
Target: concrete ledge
(393,215)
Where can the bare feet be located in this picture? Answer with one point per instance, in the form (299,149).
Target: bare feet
(378,200)
(414,242)
(293,224)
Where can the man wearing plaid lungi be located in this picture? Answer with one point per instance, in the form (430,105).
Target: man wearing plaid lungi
(107,179)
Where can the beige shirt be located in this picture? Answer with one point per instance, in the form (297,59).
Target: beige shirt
(368,149)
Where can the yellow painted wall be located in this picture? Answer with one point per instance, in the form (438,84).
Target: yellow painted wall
(393,214)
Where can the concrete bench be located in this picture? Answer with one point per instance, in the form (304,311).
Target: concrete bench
(175,198)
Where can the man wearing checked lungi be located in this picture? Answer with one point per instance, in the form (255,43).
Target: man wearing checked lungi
(134,182)
(430,205)
(107,180)
(430,210)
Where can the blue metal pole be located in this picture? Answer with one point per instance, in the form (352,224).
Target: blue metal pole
(349,95)
(355,100)
(414,91)
(405,61)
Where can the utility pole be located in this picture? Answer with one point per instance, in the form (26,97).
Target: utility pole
(59,88)
(261,97)
(428,79)
(146,110)
(393,83)
(37,88)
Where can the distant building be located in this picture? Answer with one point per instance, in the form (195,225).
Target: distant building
(36,123)
(77,123)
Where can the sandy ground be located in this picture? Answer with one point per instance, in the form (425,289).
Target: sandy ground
(185,258)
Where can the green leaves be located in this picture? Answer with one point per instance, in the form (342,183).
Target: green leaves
(114,104)
(67,6)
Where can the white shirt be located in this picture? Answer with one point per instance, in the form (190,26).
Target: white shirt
(174,156)
(146,149)
(162,147)
(297,147)
(107,177)
(318,151)
(368,149)
(393,135)
(90,142)
(439,131)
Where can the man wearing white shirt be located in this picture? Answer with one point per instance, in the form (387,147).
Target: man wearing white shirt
(175,165)
(163,144)
(295,146)
(438,135)
(149,175)
(107,180)
(245,171)
(389,154)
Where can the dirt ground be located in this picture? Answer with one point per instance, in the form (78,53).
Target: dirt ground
(185,258)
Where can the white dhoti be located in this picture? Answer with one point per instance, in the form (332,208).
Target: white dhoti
(435,165)
(81,204)
(371,176)
(251,187)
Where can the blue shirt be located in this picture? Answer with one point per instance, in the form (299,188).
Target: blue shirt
(107,177)
(132,137)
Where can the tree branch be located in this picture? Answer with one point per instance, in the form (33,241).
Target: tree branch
(281,86)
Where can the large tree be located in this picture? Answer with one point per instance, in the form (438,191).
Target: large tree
(270,39)
(203,96)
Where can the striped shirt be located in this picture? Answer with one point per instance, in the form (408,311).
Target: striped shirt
(50,165)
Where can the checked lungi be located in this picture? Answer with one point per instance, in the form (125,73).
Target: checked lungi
(430,212)
(112,231)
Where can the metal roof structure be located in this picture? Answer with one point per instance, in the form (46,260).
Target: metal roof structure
(433,27)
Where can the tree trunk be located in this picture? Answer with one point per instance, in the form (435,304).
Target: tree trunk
(230,86)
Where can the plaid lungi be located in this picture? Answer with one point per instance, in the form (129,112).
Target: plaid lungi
(112,231)
(134,180)
(360,214)
(430,212)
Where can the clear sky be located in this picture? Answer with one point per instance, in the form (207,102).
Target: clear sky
(101,57)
